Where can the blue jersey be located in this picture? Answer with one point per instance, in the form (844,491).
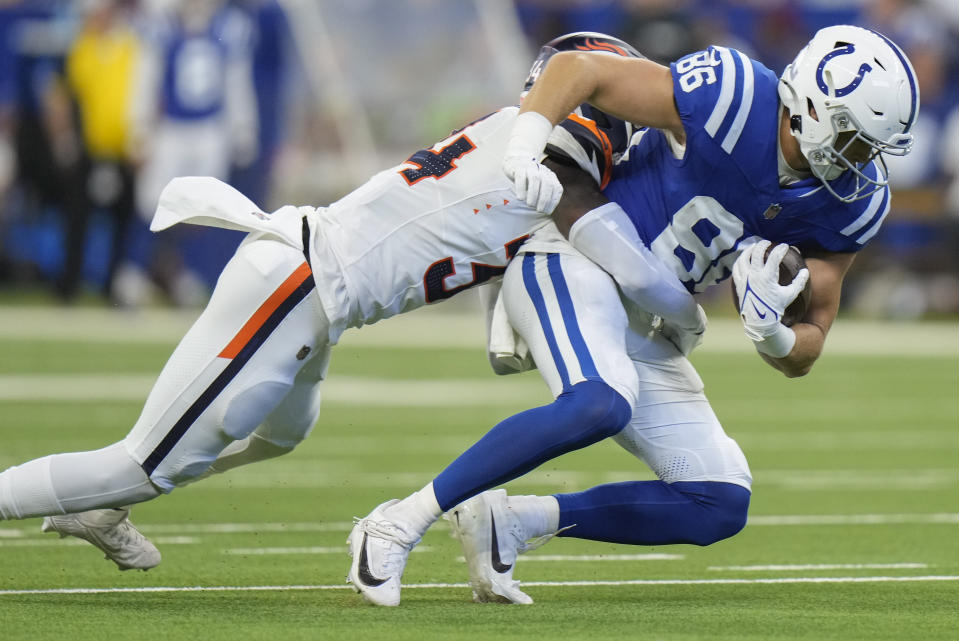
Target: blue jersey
(195,64)
(696,211)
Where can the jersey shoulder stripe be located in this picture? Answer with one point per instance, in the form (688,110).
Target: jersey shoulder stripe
(731,101)
(726,91)
(745,104)
(860,220)
(870,219)
(737,86)
(866,237)
(833,225)
(867,215)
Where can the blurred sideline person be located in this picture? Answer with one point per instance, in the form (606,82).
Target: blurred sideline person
(193,114)
(45,188)
(737,155)
(8,98)
(99,79)
(244,383)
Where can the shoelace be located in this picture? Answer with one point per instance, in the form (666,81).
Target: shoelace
(540,541)
(123,534)
(396,553)
(392,533)
(386,530)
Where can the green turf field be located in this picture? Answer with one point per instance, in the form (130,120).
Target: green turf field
(854,529)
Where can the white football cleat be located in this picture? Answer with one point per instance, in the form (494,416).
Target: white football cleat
(380,548)
(492,538)
(111,531)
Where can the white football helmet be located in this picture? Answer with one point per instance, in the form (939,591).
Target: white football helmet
(850,79)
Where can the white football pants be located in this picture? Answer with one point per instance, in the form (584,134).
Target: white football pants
(569,312)
(246,375)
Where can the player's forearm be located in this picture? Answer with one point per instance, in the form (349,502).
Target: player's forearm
(565,83)
(635,90)
(810,340)
(606,236)
(827,272)
(602,232)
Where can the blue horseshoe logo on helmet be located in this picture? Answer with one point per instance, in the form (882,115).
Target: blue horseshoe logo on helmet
(842,91)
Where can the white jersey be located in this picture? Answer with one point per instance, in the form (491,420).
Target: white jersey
(444,220)
(440,222)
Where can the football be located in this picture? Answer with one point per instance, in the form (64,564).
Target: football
(791,264)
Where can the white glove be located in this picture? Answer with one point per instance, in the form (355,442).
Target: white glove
(762,300)
(533,183)
(686,340)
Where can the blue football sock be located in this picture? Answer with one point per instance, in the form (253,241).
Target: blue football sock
(655,513)
(582,415)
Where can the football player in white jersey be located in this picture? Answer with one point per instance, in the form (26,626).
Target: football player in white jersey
(733,155)
(244,383)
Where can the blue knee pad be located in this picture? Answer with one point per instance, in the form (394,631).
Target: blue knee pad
(724,506)
(584,414)
(655,513)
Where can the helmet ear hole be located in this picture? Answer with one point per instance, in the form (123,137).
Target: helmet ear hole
(812,110)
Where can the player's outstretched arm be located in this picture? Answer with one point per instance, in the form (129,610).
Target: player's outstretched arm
(602,232)
(826,273)
(636,90)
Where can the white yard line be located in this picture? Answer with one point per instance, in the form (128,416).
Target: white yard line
(545,584)
(818,567)
(854,519)
(50,541)
(336,549)
(456,324)
(858,480)
(244,528)
(600,557)
(346,390)
(154,529)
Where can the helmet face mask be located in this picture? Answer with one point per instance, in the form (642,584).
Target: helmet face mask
(849,150)
(852,97)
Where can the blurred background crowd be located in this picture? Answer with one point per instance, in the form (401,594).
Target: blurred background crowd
(298,101)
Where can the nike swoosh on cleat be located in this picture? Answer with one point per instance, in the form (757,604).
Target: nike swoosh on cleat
(497,563)
(366,577)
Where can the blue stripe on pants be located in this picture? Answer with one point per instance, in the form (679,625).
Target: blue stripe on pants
(569,318)
(536,296)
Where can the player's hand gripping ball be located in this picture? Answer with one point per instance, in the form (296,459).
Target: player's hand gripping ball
(790,266)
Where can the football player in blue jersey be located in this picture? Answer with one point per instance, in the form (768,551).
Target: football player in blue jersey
(731,158)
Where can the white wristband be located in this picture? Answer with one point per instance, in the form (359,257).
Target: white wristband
(529,135)
(777,344)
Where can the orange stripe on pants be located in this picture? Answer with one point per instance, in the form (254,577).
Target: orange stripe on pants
(266,309)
